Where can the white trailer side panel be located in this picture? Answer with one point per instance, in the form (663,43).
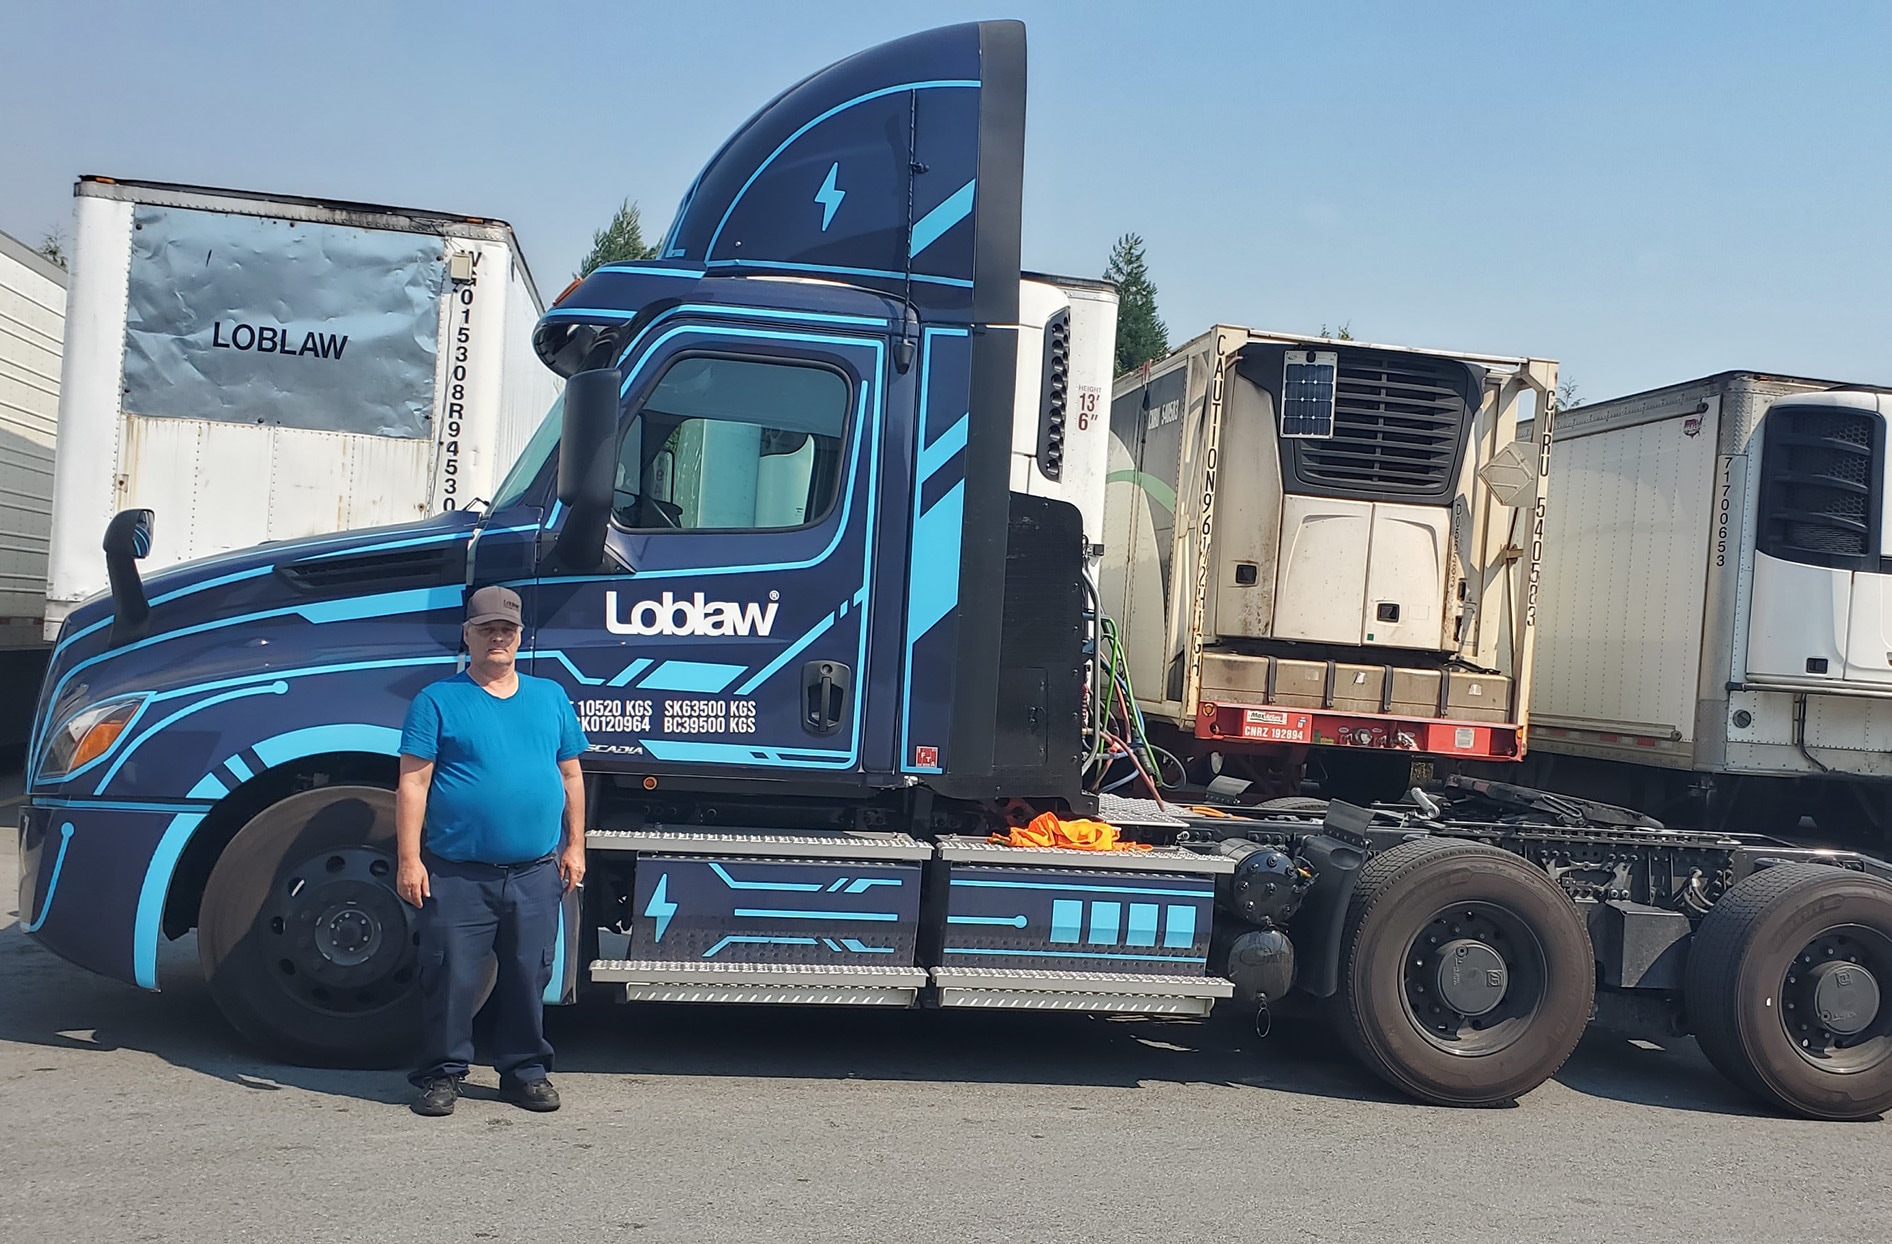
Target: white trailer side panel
(32,337)
(1626,551)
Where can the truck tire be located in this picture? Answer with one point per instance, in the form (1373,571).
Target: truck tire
(1783,989)
(1466,974)
(308,951)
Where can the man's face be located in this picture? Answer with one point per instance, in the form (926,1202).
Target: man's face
(492,643)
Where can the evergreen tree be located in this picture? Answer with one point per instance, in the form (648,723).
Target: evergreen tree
(621,240)
(1141,333)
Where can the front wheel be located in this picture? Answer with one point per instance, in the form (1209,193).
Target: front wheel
(1784,989)
(308,951)
(1467,975)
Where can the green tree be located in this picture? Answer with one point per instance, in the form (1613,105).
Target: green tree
(1566,398)
(52,248)
(619,241)
(1141,333)
(1342,333)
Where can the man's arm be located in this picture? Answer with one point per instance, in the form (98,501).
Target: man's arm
(410,813)
(571,856)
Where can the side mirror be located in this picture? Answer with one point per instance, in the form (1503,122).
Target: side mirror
(586,465)
(127,541)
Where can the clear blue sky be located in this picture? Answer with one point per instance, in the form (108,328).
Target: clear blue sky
(1648,191)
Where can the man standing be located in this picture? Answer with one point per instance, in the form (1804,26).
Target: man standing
(489,769)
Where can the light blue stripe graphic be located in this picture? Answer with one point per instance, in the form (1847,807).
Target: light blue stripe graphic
(868,883)
(52,884)
(1072,954)
(785,913)
(221,581)
(1067,919)
(387,604)
(555,988)
(209,786)
(1106,920)
(934,587)
(928,228)
(1142,924)
(1085,889)
(687,273)
(275,688)
(700,676)
(743,754)
(339,737)
(239,769)
(438,537)
(788,654)
(859,948)
(147,925)
(785,886)
(623,677)
(1179,927)
(733,940)
(1009,922)
(115,805)
(944,446)
(831,944)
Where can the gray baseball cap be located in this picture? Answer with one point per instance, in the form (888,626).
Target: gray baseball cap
(494,604)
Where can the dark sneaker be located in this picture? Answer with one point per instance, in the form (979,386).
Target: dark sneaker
(436,1097)
(531,1095)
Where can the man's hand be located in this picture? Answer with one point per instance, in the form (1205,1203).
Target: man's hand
(410,882)
(571,865)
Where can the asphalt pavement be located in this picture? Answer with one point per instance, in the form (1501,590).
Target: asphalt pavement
(133,1116)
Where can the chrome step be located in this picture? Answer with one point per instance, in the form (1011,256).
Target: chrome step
(1123,992)
(645,980)
(839,845)
(962,849)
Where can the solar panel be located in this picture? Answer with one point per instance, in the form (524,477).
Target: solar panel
(1307,393)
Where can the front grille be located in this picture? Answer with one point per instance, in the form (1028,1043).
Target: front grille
(1820,485)
(429,567)
(1399,423)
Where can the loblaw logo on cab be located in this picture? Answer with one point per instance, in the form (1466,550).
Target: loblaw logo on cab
(694,616)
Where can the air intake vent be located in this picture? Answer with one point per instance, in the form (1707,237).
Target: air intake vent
(397,568)
(1053,396)
(1820,486)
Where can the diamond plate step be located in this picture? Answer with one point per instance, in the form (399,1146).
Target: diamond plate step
(964,849)
(1121,810)
(847,845)
(1124,992)
(809,984)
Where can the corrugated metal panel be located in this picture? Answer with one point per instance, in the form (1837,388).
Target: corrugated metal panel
(1626,551)
(32,332)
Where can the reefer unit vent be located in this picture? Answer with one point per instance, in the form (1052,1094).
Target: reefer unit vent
(1820,489)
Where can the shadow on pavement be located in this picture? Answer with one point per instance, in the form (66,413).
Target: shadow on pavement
(58,1007)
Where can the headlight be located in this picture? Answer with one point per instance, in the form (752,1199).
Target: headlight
(86,736)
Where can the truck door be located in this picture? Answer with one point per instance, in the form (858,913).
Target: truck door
(728,627)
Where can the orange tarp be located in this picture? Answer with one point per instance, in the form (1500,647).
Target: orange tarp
(1047,830)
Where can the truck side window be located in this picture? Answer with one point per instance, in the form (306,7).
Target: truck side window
(733,444)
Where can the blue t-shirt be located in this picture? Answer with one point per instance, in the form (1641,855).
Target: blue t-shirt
(497,797)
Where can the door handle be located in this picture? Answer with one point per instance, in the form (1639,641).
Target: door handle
(824,690)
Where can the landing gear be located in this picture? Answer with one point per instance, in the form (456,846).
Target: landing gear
(1785,989)
(308,951)
(1466,974)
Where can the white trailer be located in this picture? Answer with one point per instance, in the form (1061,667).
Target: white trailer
(1715,638)
(32,333)
(1327,545)
(260,367)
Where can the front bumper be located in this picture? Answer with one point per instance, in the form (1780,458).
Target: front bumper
(93,879)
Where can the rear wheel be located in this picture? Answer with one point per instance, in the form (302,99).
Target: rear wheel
(307,949)
(1785,985)
(1467,975)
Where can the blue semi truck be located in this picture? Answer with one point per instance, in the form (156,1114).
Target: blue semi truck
(810,543)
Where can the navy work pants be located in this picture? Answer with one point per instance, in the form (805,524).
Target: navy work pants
(511,913)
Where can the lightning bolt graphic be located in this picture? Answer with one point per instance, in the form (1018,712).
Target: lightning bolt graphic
(829,196)
(660,907)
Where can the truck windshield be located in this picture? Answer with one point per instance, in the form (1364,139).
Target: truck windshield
(533,457)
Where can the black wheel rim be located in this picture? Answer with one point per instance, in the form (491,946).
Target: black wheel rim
(1474,1018)
(339,938)
(1831,1003)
